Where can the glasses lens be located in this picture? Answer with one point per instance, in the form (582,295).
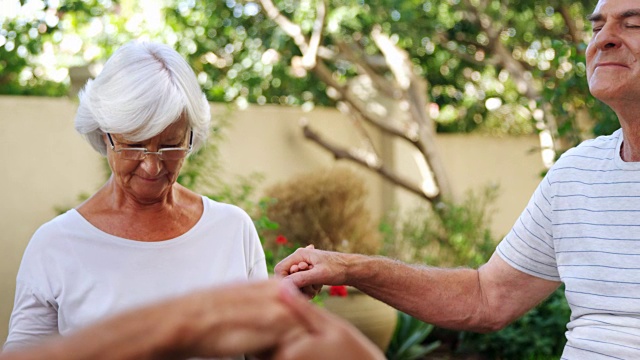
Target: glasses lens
(132,154)
(173,154)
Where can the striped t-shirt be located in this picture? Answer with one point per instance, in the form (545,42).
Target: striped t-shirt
(582,227)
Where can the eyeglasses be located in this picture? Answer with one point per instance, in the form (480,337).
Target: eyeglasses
(163,154)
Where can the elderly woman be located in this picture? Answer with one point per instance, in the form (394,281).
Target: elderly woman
(142,237)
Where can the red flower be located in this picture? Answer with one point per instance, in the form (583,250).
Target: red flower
(338,290)
(281,240)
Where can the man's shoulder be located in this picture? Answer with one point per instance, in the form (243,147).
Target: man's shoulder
(600,146)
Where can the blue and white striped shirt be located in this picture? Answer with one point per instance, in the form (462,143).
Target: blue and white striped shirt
(582,227)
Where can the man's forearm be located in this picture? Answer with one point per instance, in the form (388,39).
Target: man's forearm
(449,298)
(480,300)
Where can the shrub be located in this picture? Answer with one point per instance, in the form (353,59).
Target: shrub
(459,236)
(326,208)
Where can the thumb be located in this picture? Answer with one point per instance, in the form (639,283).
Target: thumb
(311,317)
(302,278)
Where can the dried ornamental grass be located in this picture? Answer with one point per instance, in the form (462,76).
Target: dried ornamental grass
(326,208)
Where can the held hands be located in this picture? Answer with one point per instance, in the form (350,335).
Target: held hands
(308,269)
(272,320)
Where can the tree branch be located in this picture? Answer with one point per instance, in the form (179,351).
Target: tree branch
(324,74)
(309,58)
(289,27)
(571,23)
(341,153)
(383,85)
(397,60)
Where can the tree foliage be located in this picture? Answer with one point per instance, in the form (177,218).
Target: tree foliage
(513,67)
(498,66)
(519,54)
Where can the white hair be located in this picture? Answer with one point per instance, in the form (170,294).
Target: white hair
(142,89)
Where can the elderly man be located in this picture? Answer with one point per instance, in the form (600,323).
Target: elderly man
(581,228)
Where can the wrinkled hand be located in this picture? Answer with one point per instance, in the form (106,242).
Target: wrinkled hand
(327,336)
(248,318)
(308,269)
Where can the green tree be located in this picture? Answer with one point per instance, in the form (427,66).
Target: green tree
(41,39)
(468,65)
(459,65)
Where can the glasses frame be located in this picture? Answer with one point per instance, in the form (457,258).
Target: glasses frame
(158,153)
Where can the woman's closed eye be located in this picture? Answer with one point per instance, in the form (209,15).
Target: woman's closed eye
(130,146)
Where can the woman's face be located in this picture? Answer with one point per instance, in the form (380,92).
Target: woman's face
(149,180)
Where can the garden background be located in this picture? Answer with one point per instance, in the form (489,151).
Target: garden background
(449,110)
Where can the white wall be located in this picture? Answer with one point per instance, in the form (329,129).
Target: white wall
(45,164)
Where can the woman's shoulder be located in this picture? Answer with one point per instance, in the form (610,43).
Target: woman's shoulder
(223,209)
(53,234)
(60,223)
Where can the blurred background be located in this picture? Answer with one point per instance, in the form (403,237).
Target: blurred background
(449,112)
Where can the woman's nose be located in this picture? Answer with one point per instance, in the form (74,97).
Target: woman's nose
(152,164)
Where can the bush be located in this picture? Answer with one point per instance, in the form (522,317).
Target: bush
(459,236)
(326,208)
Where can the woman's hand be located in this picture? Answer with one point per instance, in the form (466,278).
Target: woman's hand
(326,337)
(248,318)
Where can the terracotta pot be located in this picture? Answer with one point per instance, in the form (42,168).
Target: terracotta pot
(375,319)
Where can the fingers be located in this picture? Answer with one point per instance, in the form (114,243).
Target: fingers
(301,257)
(308,269)
(299,279)
(310,316)
(300,267)
(327,337)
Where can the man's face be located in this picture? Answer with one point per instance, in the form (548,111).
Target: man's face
(613,70)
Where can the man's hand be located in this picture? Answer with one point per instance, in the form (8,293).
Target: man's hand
(308,269)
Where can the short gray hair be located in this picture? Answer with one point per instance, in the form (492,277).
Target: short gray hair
(143,88)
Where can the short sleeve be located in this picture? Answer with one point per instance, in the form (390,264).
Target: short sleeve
(529,246)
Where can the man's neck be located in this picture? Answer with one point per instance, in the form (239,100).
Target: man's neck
(630,149)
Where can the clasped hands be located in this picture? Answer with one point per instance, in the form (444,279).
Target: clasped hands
(272,320)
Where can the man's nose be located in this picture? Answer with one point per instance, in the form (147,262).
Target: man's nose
(608,38)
